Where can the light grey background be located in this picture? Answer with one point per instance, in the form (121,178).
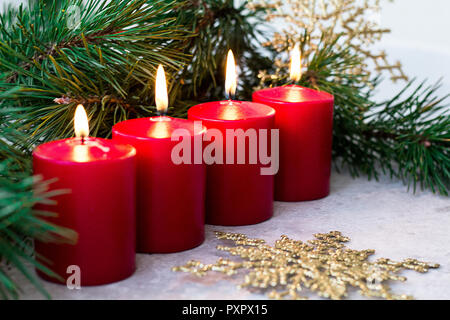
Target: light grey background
(419,39)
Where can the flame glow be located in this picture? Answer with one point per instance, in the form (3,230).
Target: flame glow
(161,98)
(81,123)
(160,130)
(81,153)
(296,64)
(231,76)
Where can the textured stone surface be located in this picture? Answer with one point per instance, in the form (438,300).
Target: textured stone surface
(377,215)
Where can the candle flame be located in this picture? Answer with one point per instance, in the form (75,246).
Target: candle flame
(231,76)
(81,122)
(161,98)
(296,64)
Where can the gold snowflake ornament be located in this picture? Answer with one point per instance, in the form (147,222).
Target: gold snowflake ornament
(323,265)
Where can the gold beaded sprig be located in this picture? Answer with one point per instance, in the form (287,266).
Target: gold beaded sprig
(346,23)
(323,265)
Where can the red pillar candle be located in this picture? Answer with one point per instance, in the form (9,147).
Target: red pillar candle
(171,195)
(99,175)
(236,194)
(305,120)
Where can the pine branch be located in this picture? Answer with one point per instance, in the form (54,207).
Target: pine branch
(221,25)
(19,222)
(414,133)
(107,62)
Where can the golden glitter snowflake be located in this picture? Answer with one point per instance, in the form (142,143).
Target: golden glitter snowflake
(323,265)
(355,23)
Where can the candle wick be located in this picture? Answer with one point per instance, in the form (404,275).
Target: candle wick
(161,115)
(83,140)
(229,96)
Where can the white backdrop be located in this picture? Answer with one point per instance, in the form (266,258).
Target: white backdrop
(420,39)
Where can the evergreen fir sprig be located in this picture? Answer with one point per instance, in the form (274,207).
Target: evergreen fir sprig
(221,25)
(20,223)
(413,132)
(107,60)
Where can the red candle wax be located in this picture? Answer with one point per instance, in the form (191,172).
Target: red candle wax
(171,197)
(100,175)
(305,120)
(236,194)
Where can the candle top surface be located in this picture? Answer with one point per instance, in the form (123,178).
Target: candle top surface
(156,127)
(294,94)
(87,150)
(231,110)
